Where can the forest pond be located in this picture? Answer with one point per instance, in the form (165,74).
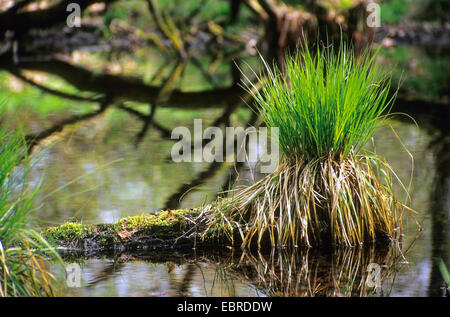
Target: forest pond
(113,163)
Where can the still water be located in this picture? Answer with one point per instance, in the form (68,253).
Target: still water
(119,179)
(107,165)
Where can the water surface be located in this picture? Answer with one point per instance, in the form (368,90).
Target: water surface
(111,164)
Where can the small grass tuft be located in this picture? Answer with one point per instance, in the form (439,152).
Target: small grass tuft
(328,189)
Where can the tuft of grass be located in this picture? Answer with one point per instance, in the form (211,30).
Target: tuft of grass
(328,189)
(326,103)
(23,251)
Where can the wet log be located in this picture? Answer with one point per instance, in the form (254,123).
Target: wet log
(164,230)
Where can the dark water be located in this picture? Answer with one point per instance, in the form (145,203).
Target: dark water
(107,166)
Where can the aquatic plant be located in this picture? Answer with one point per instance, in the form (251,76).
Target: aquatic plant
(24,253)
(328,189)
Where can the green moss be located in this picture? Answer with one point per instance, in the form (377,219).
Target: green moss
(164,225)
(167,221)
(70,231)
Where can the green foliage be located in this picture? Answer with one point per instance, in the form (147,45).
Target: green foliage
(137,10)
(211,9)
(339,5)
(420,72)
(31,99)
(393,11)
(329,102)
(23,252)
(444,272)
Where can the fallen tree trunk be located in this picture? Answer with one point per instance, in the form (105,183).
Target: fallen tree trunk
(168,229)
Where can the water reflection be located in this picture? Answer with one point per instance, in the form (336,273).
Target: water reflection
(157,275)
(299,273)
(119,143)
(305,273)
(440,208)
(310,273)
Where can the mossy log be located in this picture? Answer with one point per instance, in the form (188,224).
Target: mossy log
(166,229)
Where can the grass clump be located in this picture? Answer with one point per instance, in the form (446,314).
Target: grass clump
(327,189)
(24,253)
